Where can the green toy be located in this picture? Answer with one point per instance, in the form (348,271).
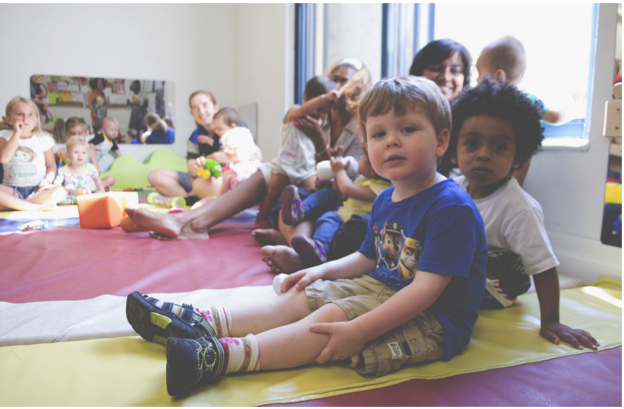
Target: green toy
(165,201)
(211,168)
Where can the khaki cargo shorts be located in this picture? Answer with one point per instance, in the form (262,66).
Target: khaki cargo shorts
(419,340)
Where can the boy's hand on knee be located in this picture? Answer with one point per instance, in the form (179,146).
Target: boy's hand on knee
(556,332)
(343,342)
(300,279)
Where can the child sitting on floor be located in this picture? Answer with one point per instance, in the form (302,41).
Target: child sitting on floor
(78,177)
(496,129)
(28,160)
(320,206)
(373,315)
(77,126)
(296,162)
(240,150)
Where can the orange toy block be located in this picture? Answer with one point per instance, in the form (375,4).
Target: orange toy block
(104,210)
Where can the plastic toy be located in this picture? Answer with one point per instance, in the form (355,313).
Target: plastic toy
(104,210)
(165,201)
(211,168)
(324,172)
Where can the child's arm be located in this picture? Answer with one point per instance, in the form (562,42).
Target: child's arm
(8,148)
(347,339)
(50,169)
(98,184)
(312,105)
(547,288)
(351,266)
(346,185)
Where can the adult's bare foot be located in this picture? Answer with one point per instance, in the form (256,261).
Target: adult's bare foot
(282,259)
(269,237)
(165,224)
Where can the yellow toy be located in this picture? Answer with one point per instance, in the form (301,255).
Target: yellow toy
(211,168)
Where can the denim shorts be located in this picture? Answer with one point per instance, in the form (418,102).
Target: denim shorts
(24,192)
(184,179)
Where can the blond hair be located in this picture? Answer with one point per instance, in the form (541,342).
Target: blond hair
(76,140)
(399,94)
(239,141)
(11,105)
(356,86)
(155,123)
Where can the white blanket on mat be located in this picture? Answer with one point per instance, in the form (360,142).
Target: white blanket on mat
(100,317)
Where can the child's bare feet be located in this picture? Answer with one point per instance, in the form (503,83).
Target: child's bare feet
(282,259)
(268,237)
(165,224)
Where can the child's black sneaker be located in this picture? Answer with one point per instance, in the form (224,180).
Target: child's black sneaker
(193,361)
(155,320)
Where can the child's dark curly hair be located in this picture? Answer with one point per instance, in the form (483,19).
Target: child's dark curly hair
(503,101)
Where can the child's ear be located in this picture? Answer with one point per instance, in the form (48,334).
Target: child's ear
(443,142)
(500,76)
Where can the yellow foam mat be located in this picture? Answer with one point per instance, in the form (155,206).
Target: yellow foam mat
(131,371)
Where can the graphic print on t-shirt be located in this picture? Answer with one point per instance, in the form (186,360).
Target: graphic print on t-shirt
(394,250)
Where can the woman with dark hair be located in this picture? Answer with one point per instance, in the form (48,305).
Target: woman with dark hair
(96,100)
(445,62)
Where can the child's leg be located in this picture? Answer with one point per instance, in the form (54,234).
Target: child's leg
(314,251)
(10,202)
(165,181)
(419,340)
(156,320)
(48,194)
(108,181)
(294,210)
(190,361)
(277,183)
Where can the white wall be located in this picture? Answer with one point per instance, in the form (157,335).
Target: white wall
(193,45)
(265,60)
(570,183)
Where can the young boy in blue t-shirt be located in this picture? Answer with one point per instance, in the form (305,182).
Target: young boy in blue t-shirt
(409,295)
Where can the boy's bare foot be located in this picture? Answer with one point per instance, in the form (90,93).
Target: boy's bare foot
(268,237)
(282,259)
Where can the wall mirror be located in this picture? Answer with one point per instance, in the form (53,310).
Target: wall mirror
(128,100)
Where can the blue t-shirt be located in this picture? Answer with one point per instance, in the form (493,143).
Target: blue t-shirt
(438,230)
(160,137)
(194,149)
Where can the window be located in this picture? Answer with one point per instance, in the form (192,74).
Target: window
(558,40)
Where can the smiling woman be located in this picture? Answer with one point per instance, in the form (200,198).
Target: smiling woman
(445,62)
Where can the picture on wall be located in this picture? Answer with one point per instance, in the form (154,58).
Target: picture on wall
(143,108)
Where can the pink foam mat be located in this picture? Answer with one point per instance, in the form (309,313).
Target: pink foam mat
(75,264)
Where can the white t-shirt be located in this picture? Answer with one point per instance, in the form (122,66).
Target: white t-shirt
(514,221)
(27,166)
